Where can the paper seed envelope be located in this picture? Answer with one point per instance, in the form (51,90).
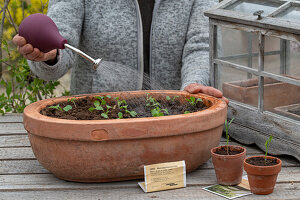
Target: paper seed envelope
(164,176)
(231,192)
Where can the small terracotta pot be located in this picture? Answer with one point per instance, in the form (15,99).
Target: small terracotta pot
(262,179)
(117,149)
(228,168)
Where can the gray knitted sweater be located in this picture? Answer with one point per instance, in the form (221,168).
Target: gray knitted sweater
(112,30)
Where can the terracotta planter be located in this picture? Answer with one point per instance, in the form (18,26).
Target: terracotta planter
(228,168)
(292,111)
(247,92)
(117,149)
(262,179)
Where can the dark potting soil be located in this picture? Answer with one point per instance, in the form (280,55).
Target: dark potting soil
(231,151)
(80,108)
(260,161)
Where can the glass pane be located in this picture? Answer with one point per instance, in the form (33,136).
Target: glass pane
(282,57)
(275,55)
(251,6)
(293,60)
(282,98)
(236,85)
(238,47)
(291,14)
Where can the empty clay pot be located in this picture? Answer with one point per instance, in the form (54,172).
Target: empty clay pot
(262,179)
(228,168)
(117,149)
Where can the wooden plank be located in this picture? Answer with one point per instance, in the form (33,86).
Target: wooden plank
(16,153)
(33,166)
(12,128)
(11,118)
(282,191)
(14,141)
(49,182)
(21,167)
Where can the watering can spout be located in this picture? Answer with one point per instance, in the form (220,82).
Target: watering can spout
(41,32)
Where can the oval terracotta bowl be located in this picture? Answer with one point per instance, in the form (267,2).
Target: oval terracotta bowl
(117,149)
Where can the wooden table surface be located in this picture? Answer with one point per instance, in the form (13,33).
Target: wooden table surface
(22,177)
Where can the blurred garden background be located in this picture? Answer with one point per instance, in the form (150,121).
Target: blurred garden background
(19,87)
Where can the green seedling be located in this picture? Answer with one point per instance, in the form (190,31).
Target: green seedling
(193,101)
(171,99)
(66,108)
(102,99)
(157,111)
(57,107)
(120,115)
(73,101)
(150,101)
(131,113)
(227,134)
(97,106)
(120,102)
(105,114)
(267,144)
(186,112)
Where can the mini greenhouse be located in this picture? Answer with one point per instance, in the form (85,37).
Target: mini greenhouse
(255,61)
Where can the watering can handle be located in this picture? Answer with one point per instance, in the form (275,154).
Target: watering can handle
(41,32)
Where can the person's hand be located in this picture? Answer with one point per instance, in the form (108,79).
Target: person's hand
(31,53)
(198,88)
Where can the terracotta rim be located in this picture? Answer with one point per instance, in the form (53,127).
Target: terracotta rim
(38,106)
(213,150)
(264,167)
(35,123)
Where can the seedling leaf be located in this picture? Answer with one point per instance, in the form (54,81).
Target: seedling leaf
(104,115)
(120,115)
(99,108)
(96,103)
(67,108)
(267,145)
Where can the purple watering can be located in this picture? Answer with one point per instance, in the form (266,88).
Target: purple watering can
(41,32)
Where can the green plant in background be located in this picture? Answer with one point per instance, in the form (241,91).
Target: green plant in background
(227,134)
(193,101)
(20,85)
(267,144)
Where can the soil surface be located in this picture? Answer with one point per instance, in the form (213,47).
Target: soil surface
(231,151)
(260,161)
(80,108)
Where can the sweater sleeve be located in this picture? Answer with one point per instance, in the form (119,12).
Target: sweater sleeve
(195,59)
(68,16)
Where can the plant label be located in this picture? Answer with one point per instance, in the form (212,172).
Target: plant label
(164,176)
